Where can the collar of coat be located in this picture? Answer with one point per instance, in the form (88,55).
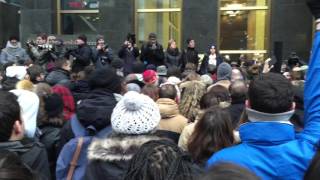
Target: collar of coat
(256,116)
(168,108)
(117,147)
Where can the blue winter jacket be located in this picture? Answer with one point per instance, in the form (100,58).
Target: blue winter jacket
(273,150)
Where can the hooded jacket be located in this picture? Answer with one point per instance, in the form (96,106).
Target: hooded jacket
(29,104)
(58,76)
(171,119)
(272,149)
(32,153)
(13,53)
(109,158)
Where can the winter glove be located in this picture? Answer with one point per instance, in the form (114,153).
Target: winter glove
(314,6)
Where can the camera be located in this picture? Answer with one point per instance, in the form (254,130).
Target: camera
(45,46)
(30,43)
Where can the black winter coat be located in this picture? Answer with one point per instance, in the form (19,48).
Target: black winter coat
(152,56)
(109,158)
(50,138)
(94,111)
(189,55)
(83,57)
(172,57)
(129,57)
(32,153)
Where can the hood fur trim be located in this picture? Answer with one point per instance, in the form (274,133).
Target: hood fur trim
(117,148)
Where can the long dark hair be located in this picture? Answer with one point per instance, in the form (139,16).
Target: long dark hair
(212,133)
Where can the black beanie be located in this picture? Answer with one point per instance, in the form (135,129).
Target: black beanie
(53,105)
(105,78)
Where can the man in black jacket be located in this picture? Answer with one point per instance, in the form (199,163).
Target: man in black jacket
(12,137)
(152,52)
(82,55)
(189,55)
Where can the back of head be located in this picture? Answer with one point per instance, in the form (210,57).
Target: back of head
(207,100)
(168,91)
(9,113)
(11,167)
(161,160)
(105,78)
(227,171)
(270,93)
(212,133)
(151,90)
(238,91)
(224,71)
(221,93)
(34,72)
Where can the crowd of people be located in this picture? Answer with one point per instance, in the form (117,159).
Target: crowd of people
(86,113)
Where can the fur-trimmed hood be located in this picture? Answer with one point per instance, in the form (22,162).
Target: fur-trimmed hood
(117,148)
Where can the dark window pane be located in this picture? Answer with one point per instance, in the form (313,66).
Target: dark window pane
(80,23)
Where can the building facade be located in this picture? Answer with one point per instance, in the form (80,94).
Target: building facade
(250,27)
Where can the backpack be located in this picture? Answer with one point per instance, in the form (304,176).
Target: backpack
(72,160)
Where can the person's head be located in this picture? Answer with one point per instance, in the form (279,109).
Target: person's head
(53,106)
(12,167)
(105,78)
(81,40)
(168,91)
(270,93)
(25,84)
(63,63)
(35,74)
(135,114)
(236,75)
(11,124)
(238,90)
(191,93)
(29,103)
(152,38)
(222,94)
(161,160)
(41,39)
(172,44)
(212,133)
(191,43)
(100,40)
(190,67)
(208,100)
(150,77)
(224,71)
(212,49)
(14,40)
(52,40)
(138,67)
(174,71)
(151,90)
(228,171)
(42,89)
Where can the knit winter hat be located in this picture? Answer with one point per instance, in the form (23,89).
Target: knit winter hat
(29,104)
(224,71)
(150,76)
(135,114)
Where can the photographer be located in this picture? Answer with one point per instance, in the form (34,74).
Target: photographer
(129,53)
(13,52)
(82,55)
(152,52)
(40,51)
(102,54)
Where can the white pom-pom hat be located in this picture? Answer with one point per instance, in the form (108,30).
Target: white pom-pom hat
(135,114)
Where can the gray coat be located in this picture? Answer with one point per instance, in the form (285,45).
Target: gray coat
(10,54)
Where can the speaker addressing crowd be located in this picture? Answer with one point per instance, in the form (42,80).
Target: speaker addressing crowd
(147,113)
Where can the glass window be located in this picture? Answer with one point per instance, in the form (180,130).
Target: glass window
(80,23)
(243,3)
(162,17)
(155,4)
(244,27)
(79,4)
(243,30)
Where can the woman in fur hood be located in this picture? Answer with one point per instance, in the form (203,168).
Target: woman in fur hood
(134,120)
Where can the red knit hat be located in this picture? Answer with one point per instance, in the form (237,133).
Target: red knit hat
(150,76)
